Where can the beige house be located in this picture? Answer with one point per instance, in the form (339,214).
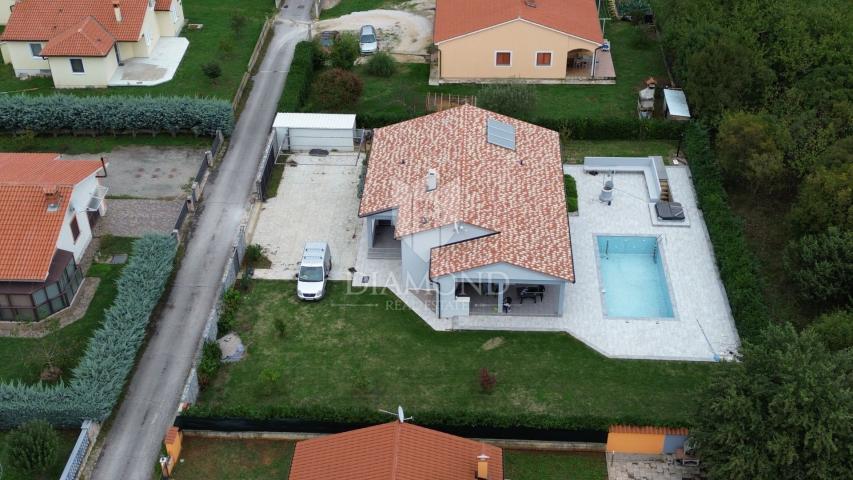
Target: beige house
(547,41)
(5,10)
(84,43)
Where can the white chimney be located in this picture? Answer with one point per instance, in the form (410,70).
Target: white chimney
(117,10)
(431,180)
(482,467)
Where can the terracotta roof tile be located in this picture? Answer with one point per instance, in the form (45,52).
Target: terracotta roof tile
(517,194)
(393,451)
(43,20)
(28,182)
(648,430)
(163,5)
(86,39)
(573,17)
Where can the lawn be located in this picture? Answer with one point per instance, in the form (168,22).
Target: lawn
(83,144)
(575,150)
(215,42)
(67,438)
(530,465)
(23,358)
(349,6)
(362,352)
(209,458)
(635,53)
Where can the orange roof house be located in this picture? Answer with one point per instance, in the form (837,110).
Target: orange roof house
(536,40)
(46,205)
(494,209)
(396,451)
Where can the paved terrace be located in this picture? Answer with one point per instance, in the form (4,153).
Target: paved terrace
(158,68)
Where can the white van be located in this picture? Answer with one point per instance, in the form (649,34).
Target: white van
(313,270)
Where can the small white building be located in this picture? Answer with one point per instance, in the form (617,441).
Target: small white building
(675,104)
(307,131)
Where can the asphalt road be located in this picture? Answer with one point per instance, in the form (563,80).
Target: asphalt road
(132,445)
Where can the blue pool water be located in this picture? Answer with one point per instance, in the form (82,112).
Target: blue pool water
(633,278)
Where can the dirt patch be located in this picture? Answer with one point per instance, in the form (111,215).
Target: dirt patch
(493,343)
(403,33)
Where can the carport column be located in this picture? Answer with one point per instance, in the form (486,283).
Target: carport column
(500,284)
(561,299)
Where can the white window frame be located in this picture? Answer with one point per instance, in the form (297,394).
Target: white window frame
(495,57)
(536,59)
(82,65)
(40,49)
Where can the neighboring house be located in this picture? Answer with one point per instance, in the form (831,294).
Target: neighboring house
(47,208)
(474,203)
(6,10)
(396,451)
(81,43)
(536,40)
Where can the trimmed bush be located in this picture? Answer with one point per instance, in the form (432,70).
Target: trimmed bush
(734,259)
(335,90)
(32,447)
(571,189)
(381,65)
(99,378)
(299,78)
(208,365)
(114,113)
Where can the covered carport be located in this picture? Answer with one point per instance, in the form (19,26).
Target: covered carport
(303,132)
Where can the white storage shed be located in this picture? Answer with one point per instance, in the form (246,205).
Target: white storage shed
(676,104)
(305,131)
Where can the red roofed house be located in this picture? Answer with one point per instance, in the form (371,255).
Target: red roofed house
(554,41)
(396,451)
(5,10)
(82,43)
(475,205)
(47,206)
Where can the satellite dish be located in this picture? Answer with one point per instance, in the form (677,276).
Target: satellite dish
(400,415)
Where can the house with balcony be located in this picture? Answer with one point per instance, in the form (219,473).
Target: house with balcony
(95,43)
(47,209)
(472,204)
(537,41)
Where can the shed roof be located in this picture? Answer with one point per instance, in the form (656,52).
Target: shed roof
(676,102)
(314,120)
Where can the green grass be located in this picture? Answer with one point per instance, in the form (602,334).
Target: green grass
(530,465)
(208,458)
(349,6)
(23,359)
(275,180)
(575,150)
(571,189)
(67,438)
(636,56)
(368,351)
(101,144)
(205,46)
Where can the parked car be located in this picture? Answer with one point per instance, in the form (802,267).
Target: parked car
(367,41)
(327,39)
(313,271)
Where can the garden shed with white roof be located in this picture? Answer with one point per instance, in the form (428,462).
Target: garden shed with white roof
(301,132)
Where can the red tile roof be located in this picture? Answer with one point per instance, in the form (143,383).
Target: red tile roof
(516,193)
(46,20)
(648,430)
(163,5)
(86,39)
(393,451)
(454,18)
(28,182)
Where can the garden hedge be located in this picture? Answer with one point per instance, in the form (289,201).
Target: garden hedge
(114,114)
(297,87)
(99,378)
(736,262)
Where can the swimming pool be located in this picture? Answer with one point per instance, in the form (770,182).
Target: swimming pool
(633,280)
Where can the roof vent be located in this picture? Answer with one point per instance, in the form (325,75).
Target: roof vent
(530,3)
(117,10)
(431,180)
(500,134)
(482,467)
(51,198)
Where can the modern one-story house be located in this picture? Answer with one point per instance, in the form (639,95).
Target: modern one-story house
(473,204)
(549,41)
(83,43)
(396,451)
(47,209)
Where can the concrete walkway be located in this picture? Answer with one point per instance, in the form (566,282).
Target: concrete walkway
(132,446)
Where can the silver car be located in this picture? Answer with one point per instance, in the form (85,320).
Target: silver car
(367,42)
(313,270)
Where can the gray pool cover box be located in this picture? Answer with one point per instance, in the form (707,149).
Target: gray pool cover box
(669,211)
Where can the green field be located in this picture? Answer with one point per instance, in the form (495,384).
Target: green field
(532,465)
(361,352)
(23,359)
(636,56)
(575,150)
(216,41)
(349,6)
(67,438)
(208,458)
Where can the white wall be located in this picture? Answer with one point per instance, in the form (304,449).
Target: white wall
(22,60)
(304,139)
(171,24)
(80,197)
(5,10)
(416,248)
(98,71)
(152,30)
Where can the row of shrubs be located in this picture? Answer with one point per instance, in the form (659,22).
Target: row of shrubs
(99,378)
(299,78)
(114,113)
(737,265)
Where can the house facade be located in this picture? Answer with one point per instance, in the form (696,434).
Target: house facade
(47,209)
(473,202)
(81,43)
(6,7)
(534,40)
